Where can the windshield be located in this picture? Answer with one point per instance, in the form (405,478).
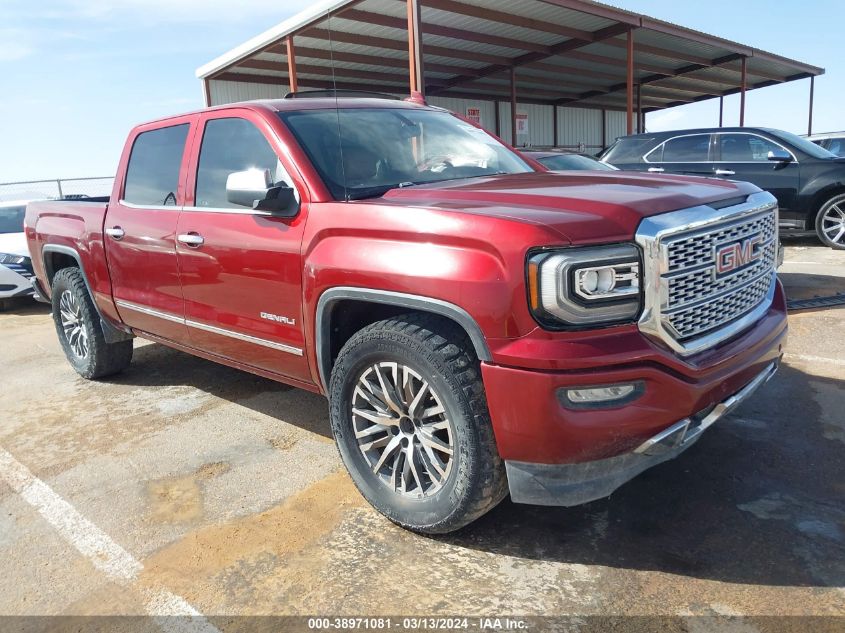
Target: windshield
(11,219)
(564,162)
(386,148)
(808,147)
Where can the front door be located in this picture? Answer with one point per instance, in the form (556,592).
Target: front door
(744,156)
(140,233)
(241,269)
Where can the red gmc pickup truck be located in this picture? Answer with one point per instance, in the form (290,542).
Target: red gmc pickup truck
(480,326)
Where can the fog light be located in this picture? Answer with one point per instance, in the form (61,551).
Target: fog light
(601,396)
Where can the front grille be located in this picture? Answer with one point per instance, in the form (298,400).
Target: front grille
(699,298)
(708,273)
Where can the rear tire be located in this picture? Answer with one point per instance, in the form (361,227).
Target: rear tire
(830,222)
(80,331)
(424,455)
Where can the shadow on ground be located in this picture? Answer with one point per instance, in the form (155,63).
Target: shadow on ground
(758,500)
(809,286)
(155,365)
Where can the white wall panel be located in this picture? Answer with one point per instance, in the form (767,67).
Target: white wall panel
(233,91)
(579,126)
(488,109)
(617,125)
(540,123)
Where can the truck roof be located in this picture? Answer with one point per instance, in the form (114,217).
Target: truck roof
(316,103)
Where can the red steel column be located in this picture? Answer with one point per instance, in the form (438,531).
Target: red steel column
(415,52)
(513,106)
(742,93)
(291,63)
(630,82)
(810,120)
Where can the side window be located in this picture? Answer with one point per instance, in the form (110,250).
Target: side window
(230,145)
(152,175)
(687,149)
(745,148)
(837,146)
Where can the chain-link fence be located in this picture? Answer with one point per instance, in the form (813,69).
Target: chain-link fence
(58,188)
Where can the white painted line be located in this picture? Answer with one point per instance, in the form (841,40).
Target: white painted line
(808,358)
(98,547)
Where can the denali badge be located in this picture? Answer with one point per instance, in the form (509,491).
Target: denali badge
(276,317)
(739,254)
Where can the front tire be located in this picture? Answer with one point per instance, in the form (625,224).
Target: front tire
(80,332)
(410,418)
(830,222)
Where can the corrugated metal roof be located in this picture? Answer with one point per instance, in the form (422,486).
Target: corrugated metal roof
(564,51)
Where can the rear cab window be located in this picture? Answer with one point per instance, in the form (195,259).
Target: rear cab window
(152,174)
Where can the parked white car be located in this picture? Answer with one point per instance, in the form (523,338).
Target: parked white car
(833,142)
(15,263)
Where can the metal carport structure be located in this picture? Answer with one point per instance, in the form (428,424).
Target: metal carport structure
(565,63)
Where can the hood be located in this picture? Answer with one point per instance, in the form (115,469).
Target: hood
(581,206)
(14,244)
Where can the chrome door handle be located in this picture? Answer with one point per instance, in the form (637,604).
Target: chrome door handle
(724,172)
(193,240)
(116,232)
(656,170)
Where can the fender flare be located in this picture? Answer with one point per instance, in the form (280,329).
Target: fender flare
(414,302)
(111,334)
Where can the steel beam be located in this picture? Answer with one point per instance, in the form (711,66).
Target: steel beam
(291,53)
(629,88)
(743,88)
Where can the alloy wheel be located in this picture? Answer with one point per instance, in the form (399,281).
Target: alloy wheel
(402,429)
(72,324)
(833,223)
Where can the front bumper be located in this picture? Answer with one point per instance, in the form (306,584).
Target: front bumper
(14,281)
(574,484)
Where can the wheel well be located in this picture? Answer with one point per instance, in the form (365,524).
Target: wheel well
(54,262)
(822,197)
(345,317)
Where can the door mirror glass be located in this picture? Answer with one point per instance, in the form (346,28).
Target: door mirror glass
(246,188)
(780,156)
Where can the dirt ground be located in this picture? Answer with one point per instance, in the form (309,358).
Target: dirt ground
(182,487)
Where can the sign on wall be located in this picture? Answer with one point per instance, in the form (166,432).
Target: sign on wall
(521,124)
(474,115)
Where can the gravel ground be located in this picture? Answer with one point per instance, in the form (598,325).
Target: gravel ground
(219,493)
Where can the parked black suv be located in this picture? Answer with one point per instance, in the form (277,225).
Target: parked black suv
(807,180)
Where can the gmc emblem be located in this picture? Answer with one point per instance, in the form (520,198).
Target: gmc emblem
(739,254)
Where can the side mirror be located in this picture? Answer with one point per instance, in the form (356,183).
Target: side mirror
(254,188)
(245,188)
(280,201)
(779,156)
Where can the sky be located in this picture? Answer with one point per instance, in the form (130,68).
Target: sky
(76,75)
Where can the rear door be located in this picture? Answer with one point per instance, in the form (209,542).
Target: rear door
(688,154)
(744,156)
(241,269)
(140,230)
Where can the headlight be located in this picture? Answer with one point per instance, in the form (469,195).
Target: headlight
(587,286)
(6,258)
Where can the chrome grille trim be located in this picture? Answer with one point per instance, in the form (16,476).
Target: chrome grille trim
(686,306)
